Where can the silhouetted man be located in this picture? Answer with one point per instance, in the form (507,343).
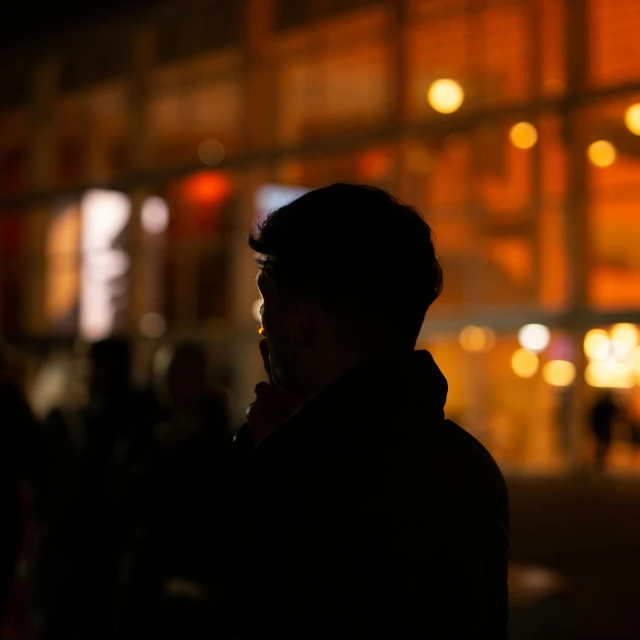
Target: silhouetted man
(361,511)
(89,545)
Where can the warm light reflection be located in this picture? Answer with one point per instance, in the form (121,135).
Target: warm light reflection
(559,373)
(256,307)
(61,276)
(632,119)
(524,363)
(534,337)
(477,339)
(597,345)
(445,95)
(602,153)
(523,135)
(624,337)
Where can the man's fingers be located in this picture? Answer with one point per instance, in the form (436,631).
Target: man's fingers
(264,352)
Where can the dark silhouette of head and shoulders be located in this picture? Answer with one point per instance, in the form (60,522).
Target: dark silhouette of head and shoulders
(363,509)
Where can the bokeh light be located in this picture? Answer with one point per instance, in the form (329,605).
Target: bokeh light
(632,119)
(211,152)
(445,95)
(602,153)
(597,345)
(611,375)
(524,363)
(154,215)
(534,337)
(523,135)
(153,325)
(559,373)
(624,337)
(634,360)
(477,339)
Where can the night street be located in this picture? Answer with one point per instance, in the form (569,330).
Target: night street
(586,531)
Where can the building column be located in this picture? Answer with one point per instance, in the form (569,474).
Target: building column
(576,216)
(40,178)
(136,157)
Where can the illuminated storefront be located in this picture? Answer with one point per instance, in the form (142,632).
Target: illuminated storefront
(513,124)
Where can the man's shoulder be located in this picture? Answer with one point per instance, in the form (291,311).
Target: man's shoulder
(465,464)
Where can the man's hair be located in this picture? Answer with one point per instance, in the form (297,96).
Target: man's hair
(357,250)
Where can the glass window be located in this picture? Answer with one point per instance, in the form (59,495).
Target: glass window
(613,163)
(196,250)
(485,47)
(11,273)
(331,89)
(521,420)
(13,152)
(373,165)
(71,136)
(614,47)
(196,120)
(62,268)
(552,38)
(477,190)
(209,25)
(107,152)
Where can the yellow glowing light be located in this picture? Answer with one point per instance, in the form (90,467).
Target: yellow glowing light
(611,375)
(634,360)
(445,95)
(624,337)
(632,119)
(477,339)
(597,345)
(523,135)
(602,153)
(524,363)
(559,373)
(534,337)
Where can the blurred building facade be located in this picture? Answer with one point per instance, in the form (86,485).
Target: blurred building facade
(136,154)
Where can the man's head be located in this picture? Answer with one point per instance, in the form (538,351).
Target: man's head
(180,372)
(346,273)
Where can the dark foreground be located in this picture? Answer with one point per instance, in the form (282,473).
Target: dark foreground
(575,558)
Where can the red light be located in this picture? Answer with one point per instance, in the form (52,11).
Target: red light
(206,187)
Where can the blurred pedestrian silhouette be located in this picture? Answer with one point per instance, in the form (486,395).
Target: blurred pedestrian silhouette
(359,511)
(20,465)
(97,500)
(601,419)
(193,441)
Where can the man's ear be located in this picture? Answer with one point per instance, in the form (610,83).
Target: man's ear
(306,324)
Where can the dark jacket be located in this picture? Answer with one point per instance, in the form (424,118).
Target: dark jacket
(367,514)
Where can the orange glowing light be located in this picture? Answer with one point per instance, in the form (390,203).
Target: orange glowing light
(206,187)
(374,165)
(260,330)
